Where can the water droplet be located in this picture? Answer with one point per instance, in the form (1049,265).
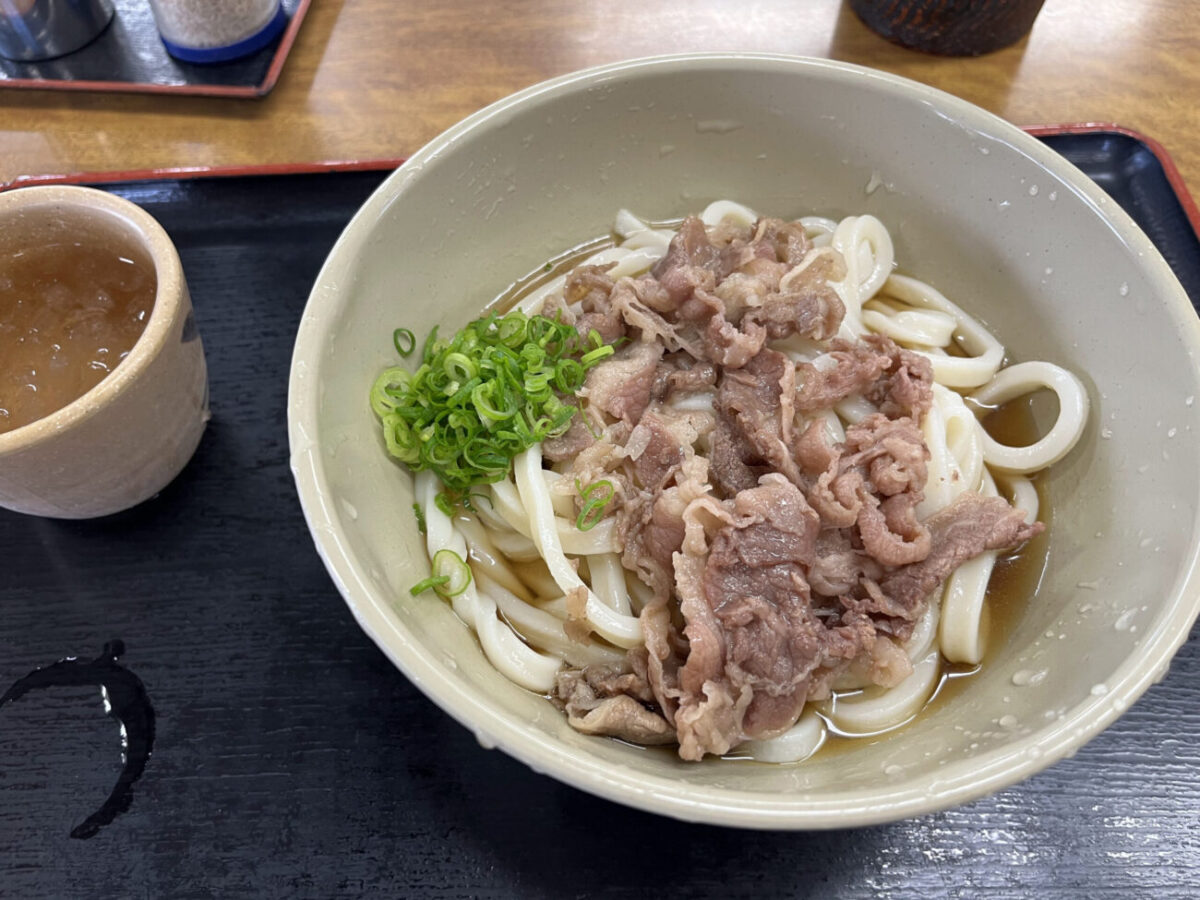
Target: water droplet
(1007,721)
(1053,195)
(1124,289)
(1099,690)
(1033,190)
(717,126)
(1028,677)
(893,770)
(1105,433)
(1125,620)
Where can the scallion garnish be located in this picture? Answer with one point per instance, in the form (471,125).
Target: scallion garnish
(404,340)
(595,497)
(451,576)
(478,399)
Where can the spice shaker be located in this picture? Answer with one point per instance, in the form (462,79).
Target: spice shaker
(44,29)
(214,31)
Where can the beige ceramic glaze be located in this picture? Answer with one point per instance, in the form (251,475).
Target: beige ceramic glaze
(997,221)
(126,438)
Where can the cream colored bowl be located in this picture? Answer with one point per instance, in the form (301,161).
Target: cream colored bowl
(985,212)
(129,436)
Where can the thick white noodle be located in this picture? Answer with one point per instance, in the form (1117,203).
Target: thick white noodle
(878,709)
(921,641)
(1023,495)
(986,353)
(720,210)
(955,441)
(640,593)
(602,538)
(546,630)
(622,630)
(924,328)
(636,233)
(819,229)
(798,743)
(513,658)
(562,497)
(1025,378)
(866,248)
(960,631)
(515,546)
(486,557)
(608,581)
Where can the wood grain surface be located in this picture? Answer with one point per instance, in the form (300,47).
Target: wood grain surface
(293,760)
(379,78)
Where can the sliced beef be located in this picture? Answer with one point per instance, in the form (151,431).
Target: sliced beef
(621,384)
(568,445)
(778,560)
(601,700)
(969,526)
(758,400)
(752,636)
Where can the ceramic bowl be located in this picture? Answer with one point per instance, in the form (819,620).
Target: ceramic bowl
(125,439)
(978,208)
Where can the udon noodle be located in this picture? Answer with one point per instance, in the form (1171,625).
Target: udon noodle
(556,610)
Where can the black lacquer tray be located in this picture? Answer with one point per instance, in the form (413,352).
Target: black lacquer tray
(291,759)
(129,57)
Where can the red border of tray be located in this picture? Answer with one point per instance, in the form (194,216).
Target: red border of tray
(204,90)
(1174,178)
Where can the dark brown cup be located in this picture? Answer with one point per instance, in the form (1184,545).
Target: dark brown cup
(950,27)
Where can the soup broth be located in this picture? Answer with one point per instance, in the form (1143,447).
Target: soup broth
(74,298)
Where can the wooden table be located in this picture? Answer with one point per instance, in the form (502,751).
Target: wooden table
(378,78)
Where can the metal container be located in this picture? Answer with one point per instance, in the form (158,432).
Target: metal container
(43,29)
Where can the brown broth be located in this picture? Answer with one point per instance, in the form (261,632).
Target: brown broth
(74,298)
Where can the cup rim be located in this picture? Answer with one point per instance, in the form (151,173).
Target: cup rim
(168,293)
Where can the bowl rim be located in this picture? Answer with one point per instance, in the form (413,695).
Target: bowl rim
(149,234)
(956,783)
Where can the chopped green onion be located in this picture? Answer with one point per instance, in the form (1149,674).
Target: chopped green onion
(592,510)
(449,565)
(420,514)
(433,581)
(404,340)
(481,397)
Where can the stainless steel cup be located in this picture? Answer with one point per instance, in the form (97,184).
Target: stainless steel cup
(43,29)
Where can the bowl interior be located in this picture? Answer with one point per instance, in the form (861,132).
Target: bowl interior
(980,210)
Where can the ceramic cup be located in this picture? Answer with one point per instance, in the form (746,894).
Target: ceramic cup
(129,436)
